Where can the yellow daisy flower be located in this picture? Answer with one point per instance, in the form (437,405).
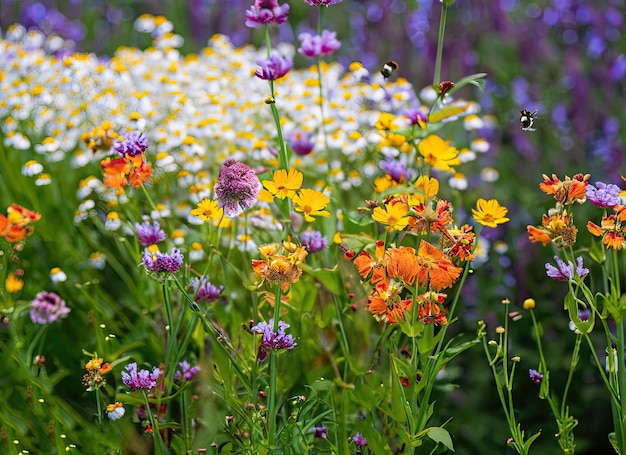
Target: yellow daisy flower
(439,153)
(489,213)
(208,210)
(284,184)
(312,203)
(393,215)
(427,188)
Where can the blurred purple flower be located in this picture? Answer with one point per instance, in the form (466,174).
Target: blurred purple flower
(535,376)
(273,68)
(132,144)
(272,340)
(565,272)
(314,46)
(143,379)
(47,307)
(603,195)
(265,12)
(314,241)
(149,234)
(237,188)
(359,440)
(397,170)
(300,142)
(161,262)
(319,431)
(203,290)
(322,2)
(415,116)
(186,371)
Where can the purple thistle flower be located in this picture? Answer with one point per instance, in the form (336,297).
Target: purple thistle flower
(161,262)
(273,68)
(565,272)
(186,371)
(272,340)
(535,376)
(265,12)
(47,307)
(396,169)
(603,195)
(237,188)
(322,2)
(149,234)
(359,440)
(314,46)
(203,290)
(300,142)
(133,144)
(143,379)
(314,241)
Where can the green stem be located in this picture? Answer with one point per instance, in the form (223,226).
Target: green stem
(170,367)
(442,28)
(272,398)
(99,405)
(159,445)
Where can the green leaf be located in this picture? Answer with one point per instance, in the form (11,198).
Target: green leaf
(597,252)
(441,436)
(571,305)
(476,79)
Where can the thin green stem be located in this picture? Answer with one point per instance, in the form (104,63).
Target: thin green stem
(442,28)
(272,395)
(99,406)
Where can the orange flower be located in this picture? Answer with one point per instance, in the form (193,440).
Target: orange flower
(459,242)
(128,170)
(16,225)
(436,265)
(557,228)
(566,192)
(402,264)
(610,229)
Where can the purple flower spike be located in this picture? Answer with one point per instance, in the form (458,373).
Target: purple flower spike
(265,12)
(273,68)
(149,234)
(133,144)
(158,262)
(314,46)
(313,241)
(272,340)
(47,307)
(535,376)
(237,188)
(143,379)
(603,195)
(205,291)
(186,372)
(565,271)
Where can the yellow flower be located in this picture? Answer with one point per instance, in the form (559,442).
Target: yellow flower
(386,121)
(284,184)
(312,203)
(393,215)
(489,213)
(439,153)
(208,210)
(13,283)
(426,188)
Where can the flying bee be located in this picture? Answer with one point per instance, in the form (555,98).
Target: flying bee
(527,119)
(389,68)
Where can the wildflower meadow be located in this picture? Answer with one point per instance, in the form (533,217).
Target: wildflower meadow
(312,227)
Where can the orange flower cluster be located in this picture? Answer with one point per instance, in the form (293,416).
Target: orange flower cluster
(612,228)
(279,267)
(128,170)
(392,270)
(16,225)
(94,379)
(567,192)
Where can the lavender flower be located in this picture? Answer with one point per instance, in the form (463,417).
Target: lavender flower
(186,371)
(273,68)
(133,144)
(149,234)
(415,116)
(535,376)
(158,262)
(47,307)
(272,340)
(143,379)
(565,272)
(319,431)
(396,169)
(322,2)
(203,290)
(359,440)
(300,142)
(265,12)
(313,241)
(237,188)
(314,46)
(603,195)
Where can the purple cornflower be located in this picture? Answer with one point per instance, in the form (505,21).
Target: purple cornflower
(359,440)
(300,142)
(319,431)
(237,188)
(133,144)
(203,290)
(535,376)
(186,371)
(416,117)
(396,169)
(149,234)
(314,241)
(47,307)
(603,195)
(322,2)
(143,379)
(565,272)
(272,340)
(265,12)
(273,68)
(314,46)
(158,262)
